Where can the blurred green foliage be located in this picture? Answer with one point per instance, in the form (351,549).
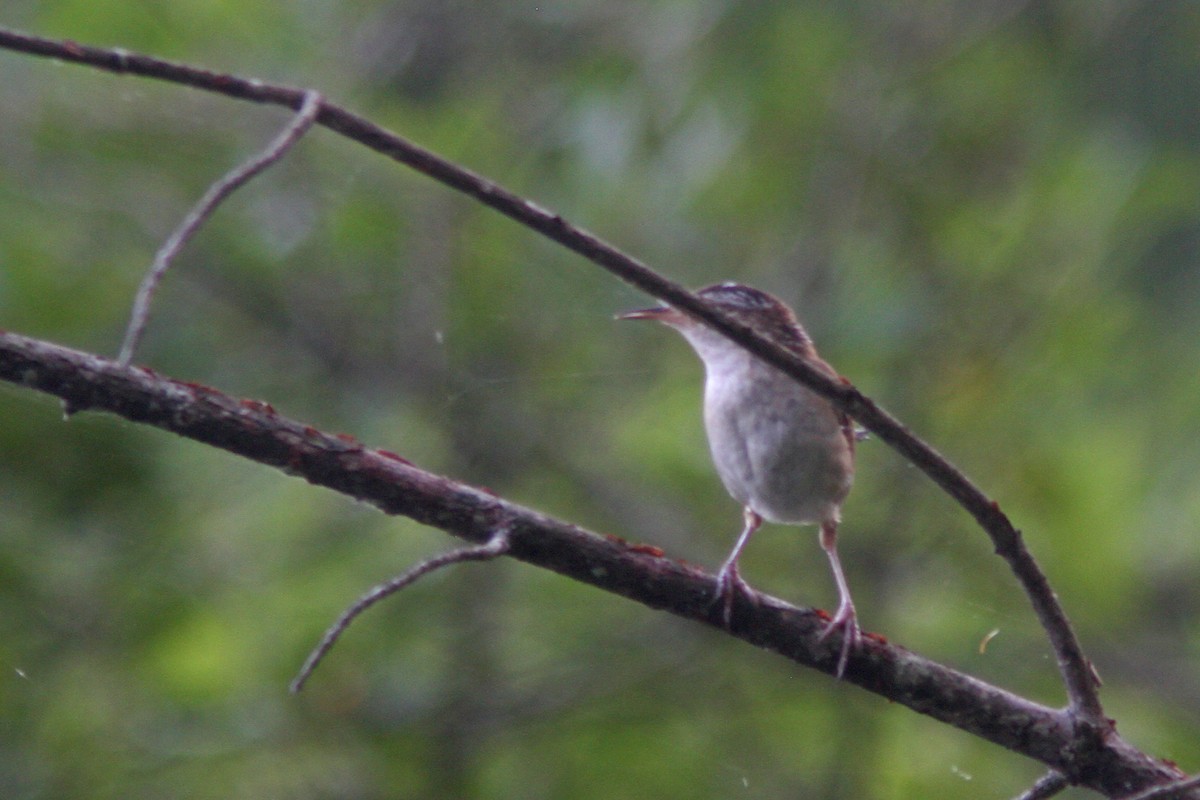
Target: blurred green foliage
(986,214)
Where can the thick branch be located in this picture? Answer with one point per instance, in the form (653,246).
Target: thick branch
(1078,676)
(254,430)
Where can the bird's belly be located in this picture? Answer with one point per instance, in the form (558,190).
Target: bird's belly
(804,483)
(792,467)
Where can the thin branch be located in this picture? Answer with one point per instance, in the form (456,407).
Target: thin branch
(497,546)
(1048,785)
(1170,791)
(254,430)
(227,185)
(1078,675)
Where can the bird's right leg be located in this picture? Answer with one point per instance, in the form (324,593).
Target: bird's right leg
(729,582)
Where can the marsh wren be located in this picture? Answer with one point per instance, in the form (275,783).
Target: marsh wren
(783,452)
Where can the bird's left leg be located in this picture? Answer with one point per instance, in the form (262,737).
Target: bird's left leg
(845,619)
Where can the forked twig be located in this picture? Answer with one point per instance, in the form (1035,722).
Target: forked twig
(227,185)
(497,546)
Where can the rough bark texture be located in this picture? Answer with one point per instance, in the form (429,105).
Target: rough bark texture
(252,429)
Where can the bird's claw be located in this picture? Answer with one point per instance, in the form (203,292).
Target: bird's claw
(729,584)
(846,622)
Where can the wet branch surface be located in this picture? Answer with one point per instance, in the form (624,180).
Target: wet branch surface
(254,430)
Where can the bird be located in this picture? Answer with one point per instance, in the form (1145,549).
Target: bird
(781,450)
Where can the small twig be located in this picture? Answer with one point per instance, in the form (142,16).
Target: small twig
(497,546)
(204,209)
(1048,785)
(1168,792)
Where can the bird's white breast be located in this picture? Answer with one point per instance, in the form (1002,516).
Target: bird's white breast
(777,447)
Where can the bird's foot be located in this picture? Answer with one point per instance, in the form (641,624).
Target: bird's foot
(845,621)
(729,584)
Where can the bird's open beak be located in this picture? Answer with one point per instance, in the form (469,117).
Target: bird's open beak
(660,313)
